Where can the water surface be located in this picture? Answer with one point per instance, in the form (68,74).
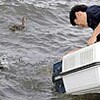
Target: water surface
(31,53)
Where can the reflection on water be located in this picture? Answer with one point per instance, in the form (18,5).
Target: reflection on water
(93,96)
(87,97)
(28,55)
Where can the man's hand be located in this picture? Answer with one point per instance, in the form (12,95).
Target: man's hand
(92,40)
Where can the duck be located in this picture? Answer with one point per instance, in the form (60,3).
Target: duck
(18,27)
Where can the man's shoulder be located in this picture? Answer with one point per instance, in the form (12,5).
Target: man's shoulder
(93,16)
(93,7)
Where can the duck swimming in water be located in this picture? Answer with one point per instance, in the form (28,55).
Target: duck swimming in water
(18,27)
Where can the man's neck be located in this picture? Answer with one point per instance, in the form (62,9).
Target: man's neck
(85,19)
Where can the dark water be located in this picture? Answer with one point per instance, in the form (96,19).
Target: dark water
(30,53)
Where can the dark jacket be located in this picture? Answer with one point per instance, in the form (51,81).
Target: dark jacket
(93,17)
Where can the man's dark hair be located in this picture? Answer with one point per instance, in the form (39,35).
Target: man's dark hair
(76,8)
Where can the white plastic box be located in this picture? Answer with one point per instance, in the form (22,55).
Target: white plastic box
(81,70)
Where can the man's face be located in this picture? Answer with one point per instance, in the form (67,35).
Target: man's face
(80,19)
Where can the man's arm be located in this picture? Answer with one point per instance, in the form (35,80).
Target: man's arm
(93,38)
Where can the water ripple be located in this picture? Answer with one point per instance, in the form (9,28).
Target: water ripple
(31,53)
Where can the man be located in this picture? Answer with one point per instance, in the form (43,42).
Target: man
(85,16)
(82,16)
